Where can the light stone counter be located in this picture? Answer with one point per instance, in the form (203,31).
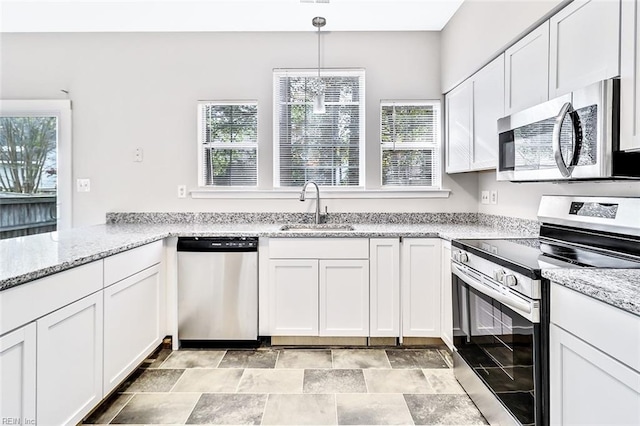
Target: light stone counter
(617,287)
(25,259)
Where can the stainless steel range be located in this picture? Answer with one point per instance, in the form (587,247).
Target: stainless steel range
(501,302)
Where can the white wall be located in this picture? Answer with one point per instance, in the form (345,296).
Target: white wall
(482,28)
(132,90)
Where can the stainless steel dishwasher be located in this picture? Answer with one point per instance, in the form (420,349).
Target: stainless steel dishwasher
(218,288)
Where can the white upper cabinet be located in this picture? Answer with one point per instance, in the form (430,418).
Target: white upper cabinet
(459,121)
(472,112)
(488,107)
(630,76)
(527,71)
(584,45)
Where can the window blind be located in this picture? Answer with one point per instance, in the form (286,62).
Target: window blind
(326,148)
(410,143)
(228,143)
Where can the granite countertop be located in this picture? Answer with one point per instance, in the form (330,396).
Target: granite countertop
(617,287)
(28,258)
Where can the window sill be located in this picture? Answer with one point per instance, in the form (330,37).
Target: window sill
(286,194)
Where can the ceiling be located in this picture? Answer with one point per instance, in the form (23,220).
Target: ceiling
(223,15)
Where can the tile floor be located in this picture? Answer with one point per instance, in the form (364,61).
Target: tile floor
(271,386)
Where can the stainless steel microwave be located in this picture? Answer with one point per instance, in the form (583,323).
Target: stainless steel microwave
(572,137)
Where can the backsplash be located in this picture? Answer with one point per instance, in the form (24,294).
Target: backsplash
(501,222)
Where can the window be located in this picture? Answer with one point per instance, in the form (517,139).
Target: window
(35,166)
(228,143)
(410,141)
(326,148)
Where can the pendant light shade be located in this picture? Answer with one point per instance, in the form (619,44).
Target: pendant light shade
(318,100)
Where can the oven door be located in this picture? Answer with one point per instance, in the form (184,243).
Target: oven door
(497,335)
(569,137)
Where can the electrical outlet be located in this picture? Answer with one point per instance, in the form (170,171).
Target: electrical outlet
(484,199)
(137,155)
(182,191)
(83,185)
(494,197)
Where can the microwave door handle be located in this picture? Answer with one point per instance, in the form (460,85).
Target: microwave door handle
(521,307)
(566,170)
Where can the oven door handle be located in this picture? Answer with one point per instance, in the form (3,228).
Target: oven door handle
(514,302)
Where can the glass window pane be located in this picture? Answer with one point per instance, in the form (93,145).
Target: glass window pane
(28,175)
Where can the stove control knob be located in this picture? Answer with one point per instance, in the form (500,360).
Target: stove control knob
(498,275)
(460,256)
(510,280)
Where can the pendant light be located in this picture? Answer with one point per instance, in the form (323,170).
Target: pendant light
(318,101)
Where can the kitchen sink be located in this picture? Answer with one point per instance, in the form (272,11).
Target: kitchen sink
(322,227)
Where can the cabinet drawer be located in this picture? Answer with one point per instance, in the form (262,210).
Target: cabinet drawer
(125,264)
(27,302)
(319,248)
(611,330)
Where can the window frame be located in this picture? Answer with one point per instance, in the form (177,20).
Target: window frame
(61,109)
(201,145)
(325,72)
(436,145)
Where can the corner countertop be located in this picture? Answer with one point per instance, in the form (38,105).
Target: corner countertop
(25,259)
(617,287)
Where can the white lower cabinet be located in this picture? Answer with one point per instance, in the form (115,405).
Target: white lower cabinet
(594,357)
(446,307)
(384,287)
(588,386)
(18,372)
(420,287)
(131,324)
(344,297)
(69,362)
(293,297)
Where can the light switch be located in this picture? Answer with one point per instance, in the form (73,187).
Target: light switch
(137,155)
(484,199)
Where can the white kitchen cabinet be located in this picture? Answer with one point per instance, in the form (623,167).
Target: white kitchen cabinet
(527,71)
(18,372)
(488,107)
(384,287)
(131,324)
(584,45)
(588,386)
(446,307)
(594,372)
(472,112)
(459,122)
(420,287)
(318,287)
(630,76)
(69,361)
(344,297)
(293,301)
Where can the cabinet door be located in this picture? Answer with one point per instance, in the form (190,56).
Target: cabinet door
(18,372)
(459,119)
(293,288)
(131,324)
(584,45)
(589,387)
(69,362)
(446,307)
(384,286)
(488,107)
(527,71)
(344,297)
(630,76)
(420,287)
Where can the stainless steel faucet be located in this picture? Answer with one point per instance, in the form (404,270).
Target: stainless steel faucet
(304,189)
